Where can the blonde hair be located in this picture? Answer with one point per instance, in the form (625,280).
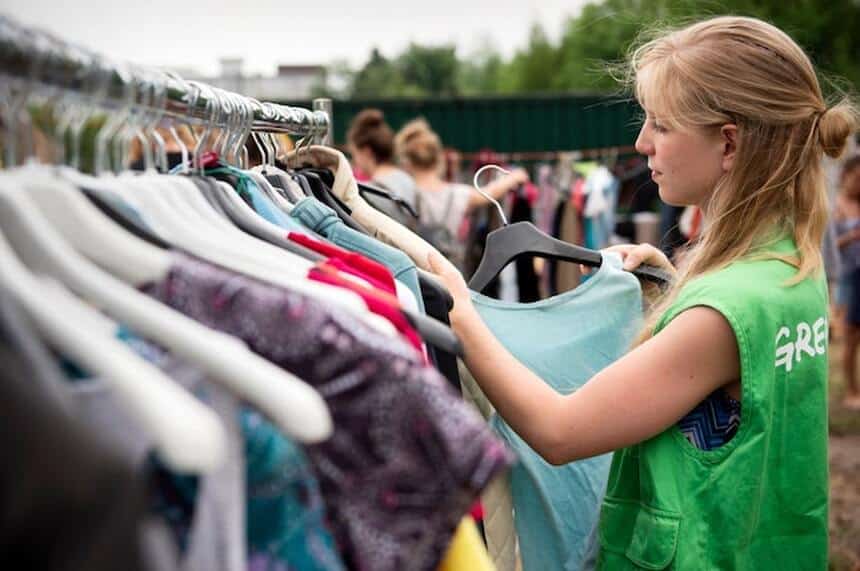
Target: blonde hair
(418,146)
(749,73)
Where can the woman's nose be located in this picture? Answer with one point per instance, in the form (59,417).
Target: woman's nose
(643,143)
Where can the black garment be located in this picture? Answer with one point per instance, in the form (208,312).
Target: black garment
(174,158)
(437,303)
(552,265)
(528,283)
(66,501)
(321,189)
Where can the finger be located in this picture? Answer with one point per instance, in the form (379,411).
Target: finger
(622,249)
(633,260)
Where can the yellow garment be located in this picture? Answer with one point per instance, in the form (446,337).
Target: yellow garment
(467,552)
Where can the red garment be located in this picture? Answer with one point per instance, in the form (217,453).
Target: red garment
(477,511)
(378,302)
(363,267)
(532,193)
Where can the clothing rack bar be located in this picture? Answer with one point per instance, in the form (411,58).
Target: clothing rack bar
(553,155)
(30,57)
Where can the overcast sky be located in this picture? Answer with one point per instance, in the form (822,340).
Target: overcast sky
(195,33)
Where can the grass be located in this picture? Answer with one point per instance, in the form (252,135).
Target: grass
(844,475)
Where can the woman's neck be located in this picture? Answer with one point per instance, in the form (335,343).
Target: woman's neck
(428,180)
(383,169)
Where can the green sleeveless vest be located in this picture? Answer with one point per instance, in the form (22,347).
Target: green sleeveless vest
(759,501)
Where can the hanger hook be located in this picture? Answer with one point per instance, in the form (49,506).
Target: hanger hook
(479,172)
(159,89)
(247,124)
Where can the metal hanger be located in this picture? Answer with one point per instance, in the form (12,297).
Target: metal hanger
(511,241)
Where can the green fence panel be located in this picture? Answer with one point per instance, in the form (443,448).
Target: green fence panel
(508,124)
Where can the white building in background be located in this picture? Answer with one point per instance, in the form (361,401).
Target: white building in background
(292,82)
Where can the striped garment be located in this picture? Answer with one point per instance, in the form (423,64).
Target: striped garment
(713,422)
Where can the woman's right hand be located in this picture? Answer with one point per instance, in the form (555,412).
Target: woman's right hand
(634,255)
(453,281)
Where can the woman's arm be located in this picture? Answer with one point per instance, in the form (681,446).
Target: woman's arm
(635,398)
(498,188)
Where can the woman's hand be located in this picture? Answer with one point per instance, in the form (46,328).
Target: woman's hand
(453,280)
(634,255)
(519,176)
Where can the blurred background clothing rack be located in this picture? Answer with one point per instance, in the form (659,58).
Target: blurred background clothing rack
(29,56)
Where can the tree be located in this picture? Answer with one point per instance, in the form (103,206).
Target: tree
(481,71)
(430,69)
(378,77)
(533,68)
(602,34)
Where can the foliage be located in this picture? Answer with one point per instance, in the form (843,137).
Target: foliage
(602,33)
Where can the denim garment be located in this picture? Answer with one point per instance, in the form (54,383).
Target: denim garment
(318,217)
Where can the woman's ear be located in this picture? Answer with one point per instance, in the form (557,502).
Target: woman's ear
(729,137)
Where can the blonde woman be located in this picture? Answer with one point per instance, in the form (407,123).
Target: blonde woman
(443,206)
(735,124)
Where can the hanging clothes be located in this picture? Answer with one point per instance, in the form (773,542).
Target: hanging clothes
(68,498)
(395,478)
(572,336)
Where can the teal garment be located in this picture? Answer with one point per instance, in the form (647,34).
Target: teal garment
(286,514)
(262,205)
(285,511)
(324,221)
(564,340)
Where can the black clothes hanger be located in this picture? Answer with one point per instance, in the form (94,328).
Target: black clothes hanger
(524,238)
(512,241)
(435,333)
(364,189)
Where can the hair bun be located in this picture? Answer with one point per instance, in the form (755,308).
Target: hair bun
(371,118)
(835,125)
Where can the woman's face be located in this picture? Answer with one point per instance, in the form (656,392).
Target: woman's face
(685,164)
(363,159)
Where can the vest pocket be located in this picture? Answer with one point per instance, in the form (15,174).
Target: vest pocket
(646,536)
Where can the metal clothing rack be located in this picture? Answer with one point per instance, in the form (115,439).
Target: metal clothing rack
(35,57)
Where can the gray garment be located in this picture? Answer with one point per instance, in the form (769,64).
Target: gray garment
(401,185)
(70,500)
(20,334)
(216,540)
(445,208)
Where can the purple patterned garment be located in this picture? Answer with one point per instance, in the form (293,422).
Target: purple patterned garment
(408,456)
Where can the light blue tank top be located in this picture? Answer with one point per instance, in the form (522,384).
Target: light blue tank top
(565,340)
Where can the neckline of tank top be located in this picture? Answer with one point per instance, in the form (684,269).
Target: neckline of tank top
(611,261)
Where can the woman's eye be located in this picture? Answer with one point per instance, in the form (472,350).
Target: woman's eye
(657,127)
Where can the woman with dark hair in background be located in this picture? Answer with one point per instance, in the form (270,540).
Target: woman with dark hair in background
(371,144)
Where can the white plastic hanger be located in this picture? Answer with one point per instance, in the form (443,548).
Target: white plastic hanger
(187,434)
(292,404)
